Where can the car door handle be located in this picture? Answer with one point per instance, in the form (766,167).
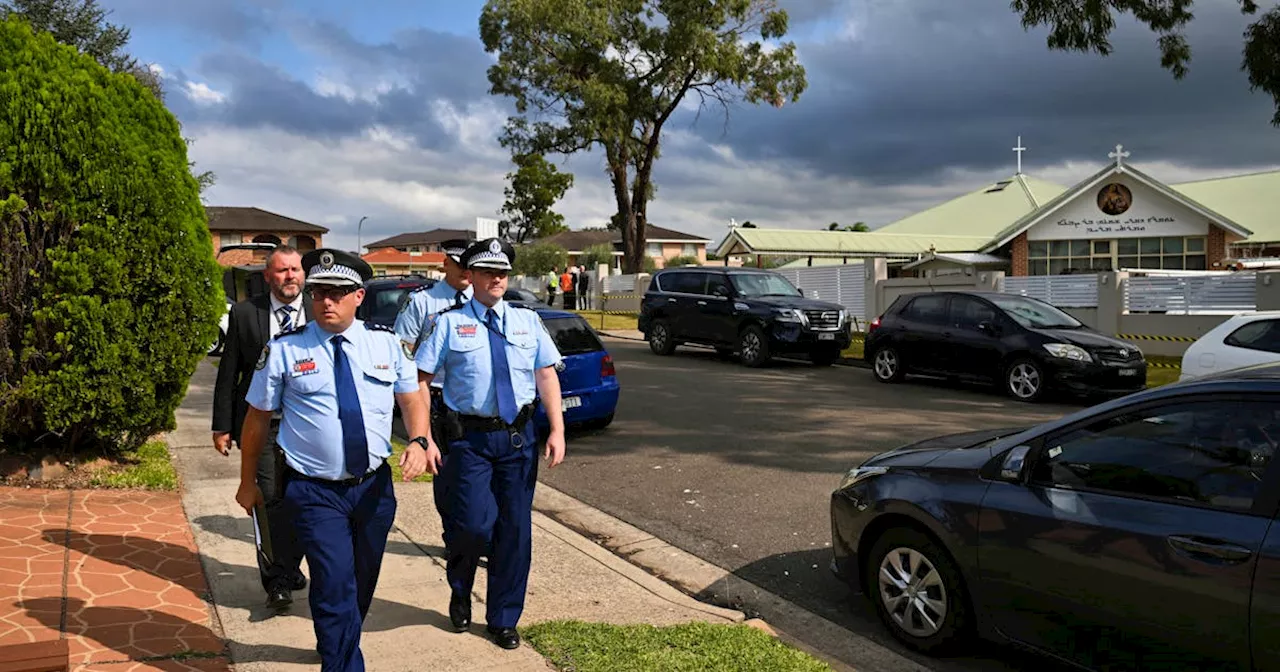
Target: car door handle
(669,300)
(1212,548)
(702,303)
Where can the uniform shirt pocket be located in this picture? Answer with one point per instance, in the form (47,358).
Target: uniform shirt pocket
(467,355)
(311,382)
(522,353)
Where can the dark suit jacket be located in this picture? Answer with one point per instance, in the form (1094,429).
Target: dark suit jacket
(248,330)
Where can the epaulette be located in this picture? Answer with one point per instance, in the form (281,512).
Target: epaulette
(295,330)
(379,327)
(453,307)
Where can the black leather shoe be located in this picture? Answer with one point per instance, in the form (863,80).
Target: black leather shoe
(299,582)
(507,638)
(279,598)
(460,611)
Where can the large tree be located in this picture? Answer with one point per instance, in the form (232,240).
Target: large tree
(83,24)
(532,192)
(611,73)
(1086,25)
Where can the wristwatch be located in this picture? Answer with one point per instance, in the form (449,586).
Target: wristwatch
(420,440)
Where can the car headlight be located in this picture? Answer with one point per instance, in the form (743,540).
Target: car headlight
(790,315)
(859,474)
(1074,353)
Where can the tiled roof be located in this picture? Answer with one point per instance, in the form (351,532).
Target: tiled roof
(230,218)
(578,241)
(390,255)
(422,238)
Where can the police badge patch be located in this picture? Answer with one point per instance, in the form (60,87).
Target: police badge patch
(262,359)
(408,349)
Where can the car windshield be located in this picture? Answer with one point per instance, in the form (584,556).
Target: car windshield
(1034,314)
(386,304)
(762,284)
(572,335)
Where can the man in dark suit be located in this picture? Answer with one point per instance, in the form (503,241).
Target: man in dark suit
(251,325)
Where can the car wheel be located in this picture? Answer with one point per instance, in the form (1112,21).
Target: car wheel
(887,365)
(1024,380)
(824,356)
(660,340)
(216,348)
(918,591)
(753,347)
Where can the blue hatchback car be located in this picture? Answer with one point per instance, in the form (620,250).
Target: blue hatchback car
(588,381)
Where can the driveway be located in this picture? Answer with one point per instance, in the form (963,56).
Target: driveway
(737,465)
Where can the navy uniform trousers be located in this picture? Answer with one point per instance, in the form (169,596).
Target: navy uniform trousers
(343,531)
(489,504)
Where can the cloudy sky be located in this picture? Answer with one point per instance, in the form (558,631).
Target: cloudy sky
(327,113)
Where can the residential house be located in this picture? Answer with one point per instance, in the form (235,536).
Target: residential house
(390,261)
(660,243)
(236,225)
(422,241)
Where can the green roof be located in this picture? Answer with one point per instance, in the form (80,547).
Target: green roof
(1252,201)
(982,213)
(841,243)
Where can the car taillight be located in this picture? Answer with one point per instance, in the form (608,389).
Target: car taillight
(606,367)
(875,324)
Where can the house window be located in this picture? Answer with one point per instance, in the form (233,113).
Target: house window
(1058,257)
(689,250)
(653,249)
(415,248)
(229,239)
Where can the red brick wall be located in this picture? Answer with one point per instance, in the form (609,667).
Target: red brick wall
(243,257)
(1216,247)
(1018,255)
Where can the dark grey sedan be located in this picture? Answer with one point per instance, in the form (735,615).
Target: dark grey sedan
(1136,534)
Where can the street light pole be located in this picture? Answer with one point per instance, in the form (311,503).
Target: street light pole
(359,240)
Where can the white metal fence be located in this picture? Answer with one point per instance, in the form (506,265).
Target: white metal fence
(845,284)
(1063,291)
(615,284)
(1203,294)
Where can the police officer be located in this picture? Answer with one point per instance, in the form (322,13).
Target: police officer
(334,381)
(499,358)
(422,307)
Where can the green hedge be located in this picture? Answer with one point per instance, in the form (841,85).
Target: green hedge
(108,285)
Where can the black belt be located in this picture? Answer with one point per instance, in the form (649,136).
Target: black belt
(480,423)
(354,480)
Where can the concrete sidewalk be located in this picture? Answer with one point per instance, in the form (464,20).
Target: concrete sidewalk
(408,626)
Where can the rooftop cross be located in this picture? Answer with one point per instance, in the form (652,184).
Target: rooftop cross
(1019,149)
(1119,155)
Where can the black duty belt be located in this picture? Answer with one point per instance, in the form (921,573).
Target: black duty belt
(480,423)
(354,480)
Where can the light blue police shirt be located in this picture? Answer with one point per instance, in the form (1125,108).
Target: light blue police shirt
(296,372)
(423,305)
(458,341)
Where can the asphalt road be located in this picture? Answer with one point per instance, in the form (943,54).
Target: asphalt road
(736,465)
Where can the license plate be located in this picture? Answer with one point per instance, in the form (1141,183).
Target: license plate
(570,402)
(1128,372)
(826,337)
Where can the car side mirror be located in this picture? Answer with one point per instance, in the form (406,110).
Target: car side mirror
(1014,466)
(721,291)
(988,328)
(801,290)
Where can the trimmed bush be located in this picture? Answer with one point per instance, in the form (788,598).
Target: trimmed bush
(108,286)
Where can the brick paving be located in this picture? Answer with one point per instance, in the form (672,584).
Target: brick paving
(114,572)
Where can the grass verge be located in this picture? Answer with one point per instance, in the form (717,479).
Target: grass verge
(1160,370)
(148,467)
(397,476)
(693,647)
(607,322)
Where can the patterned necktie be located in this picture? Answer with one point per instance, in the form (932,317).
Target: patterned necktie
(355,445)
(501,371)
(285,316)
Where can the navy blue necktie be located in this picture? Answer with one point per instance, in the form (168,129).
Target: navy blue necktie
(501,371)
(457,298)
(355,445)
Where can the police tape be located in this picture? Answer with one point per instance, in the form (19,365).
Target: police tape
(1152,337)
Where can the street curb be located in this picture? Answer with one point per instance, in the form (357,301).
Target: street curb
(842,650)
(624,338)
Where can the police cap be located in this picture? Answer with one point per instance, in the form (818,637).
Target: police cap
(493,253)
(327,266)
(454,247)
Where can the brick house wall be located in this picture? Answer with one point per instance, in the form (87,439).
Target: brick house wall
(305,242)
(1218,245)
(1018,255)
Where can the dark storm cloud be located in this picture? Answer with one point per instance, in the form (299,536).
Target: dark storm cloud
(930,85)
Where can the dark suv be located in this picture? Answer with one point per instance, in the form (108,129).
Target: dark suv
(752,312)
(385,295)
(1024,344)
